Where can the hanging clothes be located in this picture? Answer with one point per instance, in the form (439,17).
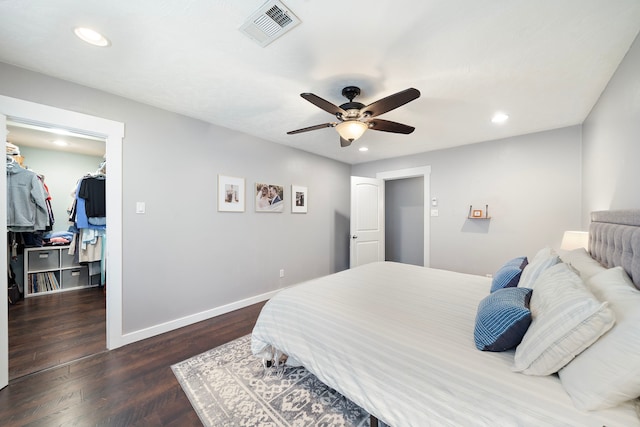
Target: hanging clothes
(93,190)
(88,214)
(27,207)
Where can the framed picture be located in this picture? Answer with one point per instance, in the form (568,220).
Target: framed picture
(230,194)
(299,199)
(269,197)
(477,213)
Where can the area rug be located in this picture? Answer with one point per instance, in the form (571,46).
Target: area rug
(228,386)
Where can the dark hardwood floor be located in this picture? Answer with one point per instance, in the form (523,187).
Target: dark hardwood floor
(129,386)
(49,330)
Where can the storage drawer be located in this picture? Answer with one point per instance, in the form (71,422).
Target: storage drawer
(66,259)
(48,259)
(74,277)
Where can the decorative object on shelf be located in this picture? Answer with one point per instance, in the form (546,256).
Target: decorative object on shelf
(299,199)
(269,197)
(479,213)
(230,194)
(575,239)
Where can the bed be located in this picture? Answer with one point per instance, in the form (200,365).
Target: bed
(401,340)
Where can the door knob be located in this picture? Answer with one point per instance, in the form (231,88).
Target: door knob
(354,237)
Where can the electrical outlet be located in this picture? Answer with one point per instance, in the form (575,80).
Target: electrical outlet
(282,272)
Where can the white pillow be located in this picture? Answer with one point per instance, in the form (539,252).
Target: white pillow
(566,319)
(544,259)
(608,373)
(582,261)
(544,253)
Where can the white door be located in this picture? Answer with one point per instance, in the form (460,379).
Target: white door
(4,308)
(367,221)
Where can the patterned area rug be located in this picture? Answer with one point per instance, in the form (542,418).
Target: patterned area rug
(228,386)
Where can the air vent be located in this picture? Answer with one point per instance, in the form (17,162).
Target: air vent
(269,22)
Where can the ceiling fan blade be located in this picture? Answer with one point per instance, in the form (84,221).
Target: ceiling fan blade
(391,102)
(324,104)
(316,127)
(344,142)
(389,126)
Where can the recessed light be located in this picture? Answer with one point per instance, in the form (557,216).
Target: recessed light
(363,149)
(91,36)
(499,118)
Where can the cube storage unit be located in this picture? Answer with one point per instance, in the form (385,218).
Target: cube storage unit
(51,269)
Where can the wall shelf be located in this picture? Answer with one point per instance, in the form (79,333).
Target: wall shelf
(478,213)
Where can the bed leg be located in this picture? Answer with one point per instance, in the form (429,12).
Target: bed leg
(373,421)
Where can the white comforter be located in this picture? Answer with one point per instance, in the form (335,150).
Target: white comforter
(398,340)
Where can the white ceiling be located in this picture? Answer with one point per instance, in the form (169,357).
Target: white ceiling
(543,62)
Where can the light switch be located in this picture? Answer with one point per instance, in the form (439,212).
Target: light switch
(140,207)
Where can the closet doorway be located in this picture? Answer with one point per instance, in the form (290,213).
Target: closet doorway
(22,111)
(404,220)
(66,320)
(423,173)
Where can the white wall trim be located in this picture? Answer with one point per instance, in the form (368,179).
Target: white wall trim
(194,318)
(4,308)
(113,132)
(425,172)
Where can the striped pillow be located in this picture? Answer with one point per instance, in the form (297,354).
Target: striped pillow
(566,319)
(502,319)
(535,268)
(509,274)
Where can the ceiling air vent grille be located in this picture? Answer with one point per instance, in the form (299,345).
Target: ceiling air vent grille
(269,22)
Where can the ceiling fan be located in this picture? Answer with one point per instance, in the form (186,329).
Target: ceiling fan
(354,118)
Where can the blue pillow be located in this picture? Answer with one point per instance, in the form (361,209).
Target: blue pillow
(503,318)
(509,274)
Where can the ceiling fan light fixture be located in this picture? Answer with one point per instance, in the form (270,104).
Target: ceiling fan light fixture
(351,129)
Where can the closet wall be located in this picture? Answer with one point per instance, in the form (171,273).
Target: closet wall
(61,170)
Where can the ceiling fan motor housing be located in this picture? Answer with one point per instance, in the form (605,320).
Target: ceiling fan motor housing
(350,92)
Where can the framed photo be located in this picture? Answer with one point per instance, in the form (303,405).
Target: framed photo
(299,199)
(269,197)
(230,194)
(477,213)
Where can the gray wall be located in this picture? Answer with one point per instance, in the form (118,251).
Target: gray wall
(611,142)
(183,256)
(62,170)
(531,183)
(404,220)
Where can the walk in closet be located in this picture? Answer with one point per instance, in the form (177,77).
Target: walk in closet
(56,216)
(56,222)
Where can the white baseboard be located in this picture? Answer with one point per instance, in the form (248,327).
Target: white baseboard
(152,331)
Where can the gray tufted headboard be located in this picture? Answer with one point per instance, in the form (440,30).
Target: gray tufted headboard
(614,240)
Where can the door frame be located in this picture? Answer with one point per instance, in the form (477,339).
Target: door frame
(113,132)
(425,173)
